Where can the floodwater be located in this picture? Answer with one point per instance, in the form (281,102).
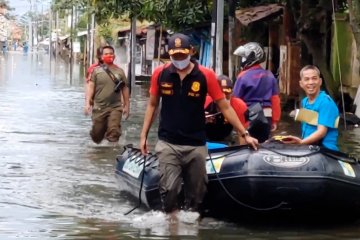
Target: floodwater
(55,183)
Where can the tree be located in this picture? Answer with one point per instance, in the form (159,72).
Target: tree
(354,12)
(177,14)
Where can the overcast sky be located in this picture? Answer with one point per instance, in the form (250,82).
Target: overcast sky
(22,6)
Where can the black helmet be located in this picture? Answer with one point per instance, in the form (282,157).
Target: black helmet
(250,53)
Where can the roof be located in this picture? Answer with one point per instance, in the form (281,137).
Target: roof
(82,33)
(141,27)
(249,15)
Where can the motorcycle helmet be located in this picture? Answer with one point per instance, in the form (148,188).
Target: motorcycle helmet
(250,53)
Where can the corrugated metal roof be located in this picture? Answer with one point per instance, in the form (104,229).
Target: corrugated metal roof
(249,15)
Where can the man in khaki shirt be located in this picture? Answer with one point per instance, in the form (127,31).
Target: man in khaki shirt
(107,98)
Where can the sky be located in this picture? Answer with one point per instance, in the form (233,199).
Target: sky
(23,6)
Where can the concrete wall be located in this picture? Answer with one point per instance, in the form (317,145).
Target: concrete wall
(344,64)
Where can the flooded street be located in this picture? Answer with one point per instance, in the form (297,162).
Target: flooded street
(56,183)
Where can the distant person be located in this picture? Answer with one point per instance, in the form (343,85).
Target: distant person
(257,85)
(107,98)
(217,126)
(5,48)
(25,48)
(322,130)
(15,44)
(182,86)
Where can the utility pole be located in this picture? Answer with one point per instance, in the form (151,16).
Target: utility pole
(71,43)
(219,37)
(42,22)
(50,35)
(132,52)
(57,33)
(35,26)
(213,34)
(30,26)
(231,38)
(88,37)
(92,39)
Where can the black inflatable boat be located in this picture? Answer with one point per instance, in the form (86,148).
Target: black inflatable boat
(275,178)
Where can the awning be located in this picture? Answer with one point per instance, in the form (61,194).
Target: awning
(82,33)
(249,15)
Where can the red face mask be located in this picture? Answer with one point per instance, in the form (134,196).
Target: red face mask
(108,59)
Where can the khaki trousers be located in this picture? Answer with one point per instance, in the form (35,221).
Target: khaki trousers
(106,124)
(181,164)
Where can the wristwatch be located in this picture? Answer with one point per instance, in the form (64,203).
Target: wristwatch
(246,133)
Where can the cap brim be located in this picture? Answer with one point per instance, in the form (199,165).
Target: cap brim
(227,90)
(179,50)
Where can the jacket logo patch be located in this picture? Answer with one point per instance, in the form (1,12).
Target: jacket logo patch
(195,86)
(166,88)
(167,92)
(166,85)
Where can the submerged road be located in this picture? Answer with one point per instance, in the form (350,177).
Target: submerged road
(56,183)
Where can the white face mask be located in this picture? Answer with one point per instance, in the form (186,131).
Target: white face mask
(182,64)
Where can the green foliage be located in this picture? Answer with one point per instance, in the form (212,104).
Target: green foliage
(176,14)
(82,22)
(68,4)
(105,31)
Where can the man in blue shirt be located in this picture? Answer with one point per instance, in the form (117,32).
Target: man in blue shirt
(321,115)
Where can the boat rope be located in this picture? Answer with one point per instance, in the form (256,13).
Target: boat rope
(237,200)
(315,149)
(338,61)
(141,186)
(336,155)
(234,149)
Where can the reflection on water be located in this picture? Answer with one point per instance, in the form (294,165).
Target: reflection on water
(54,182)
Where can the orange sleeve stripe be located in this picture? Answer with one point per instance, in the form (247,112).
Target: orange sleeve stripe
(154,86)
(240,108)
(276,108)
(208,100)
(213,86)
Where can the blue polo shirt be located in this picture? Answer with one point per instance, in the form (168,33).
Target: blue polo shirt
(328,113)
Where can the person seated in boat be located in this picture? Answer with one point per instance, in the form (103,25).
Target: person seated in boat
(182,85)
(217,127)
(319,114)
(256,85)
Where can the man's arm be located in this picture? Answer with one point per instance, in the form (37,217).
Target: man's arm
(151,108)
(315,137)
(89,96)
(231,116)
(126,95)
(276,111)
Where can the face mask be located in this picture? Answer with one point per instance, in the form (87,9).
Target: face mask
(182,64)
(108,59)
